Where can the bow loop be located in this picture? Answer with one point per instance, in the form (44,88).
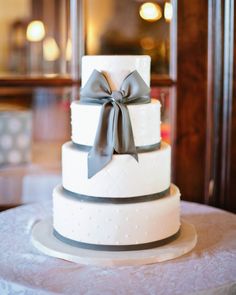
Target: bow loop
(96,89)
(135,89)
(114,131)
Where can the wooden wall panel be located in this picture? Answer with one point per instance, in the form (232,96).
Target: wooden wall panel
(225,108)
(191,105)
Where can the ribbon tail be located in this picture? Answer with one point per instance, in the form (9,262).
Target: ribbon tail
(123,133)
(135,156)
(101,153)
(95,163)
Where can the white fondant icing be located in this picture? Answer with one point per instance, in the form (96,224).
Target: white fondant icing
(164,219)
(123,177)
(145,121)
(116,68)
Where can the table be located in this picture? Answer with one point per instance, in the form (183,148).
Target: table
(209,269)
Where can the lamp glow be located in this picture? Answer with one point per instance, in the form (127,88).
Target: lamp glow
(68,49)
(147,43)
(150,11)
(51,51)
(168,11)
(35,31)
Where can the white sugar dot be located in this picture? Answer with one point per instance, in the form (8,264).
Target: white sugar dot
(116,226)
(136,242)
(136,210)
(117,210)
(14,125)
(126,218)
(117,243)
(14,156)
(145,233)
(126,236)
(22,140)
(136,226)
(6,141)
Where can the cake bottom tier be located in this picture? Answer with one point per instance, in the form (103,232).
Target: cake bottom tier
(92,224)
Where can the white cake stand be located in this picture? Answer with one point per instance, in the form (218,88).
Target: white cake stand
(43,239)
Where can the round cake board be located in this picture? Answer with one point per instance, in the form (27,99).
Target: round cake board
(43,239)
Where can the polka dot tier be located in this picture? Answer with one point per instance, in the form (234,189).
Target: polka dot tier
(102,223)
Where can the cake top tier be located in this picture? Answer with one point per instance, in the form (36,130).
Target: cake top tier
(116,67)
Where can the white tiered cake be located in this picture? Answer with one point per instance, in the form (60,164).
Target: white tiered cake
(129,203)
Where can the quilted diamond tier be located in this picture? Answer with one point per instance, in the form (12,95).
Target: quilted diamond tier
(123,177)
(116,224)
(145,121)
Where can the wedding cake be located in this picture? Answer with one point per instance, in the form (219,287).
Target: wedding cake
(116,191)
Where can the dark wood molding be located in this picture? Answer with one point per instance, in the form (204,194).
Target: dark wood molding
(231,199)
(208,181)
(162,80)
(25,81)
(221,91)
(35,81)
(191,102)
(227,84)
(59,81)
(173,42)
(205,139)
(214,100)
(228,142)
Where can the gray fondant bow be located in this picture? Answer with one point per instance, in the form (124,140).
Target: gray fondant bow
(114,131)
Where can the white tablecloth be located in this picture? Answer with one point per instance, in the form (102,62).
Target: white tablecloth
(209,269)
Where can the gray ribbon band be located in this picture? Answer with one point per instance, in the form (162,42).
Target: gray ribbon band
(134,247)
(114,131)
(139,149)
(129,200)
